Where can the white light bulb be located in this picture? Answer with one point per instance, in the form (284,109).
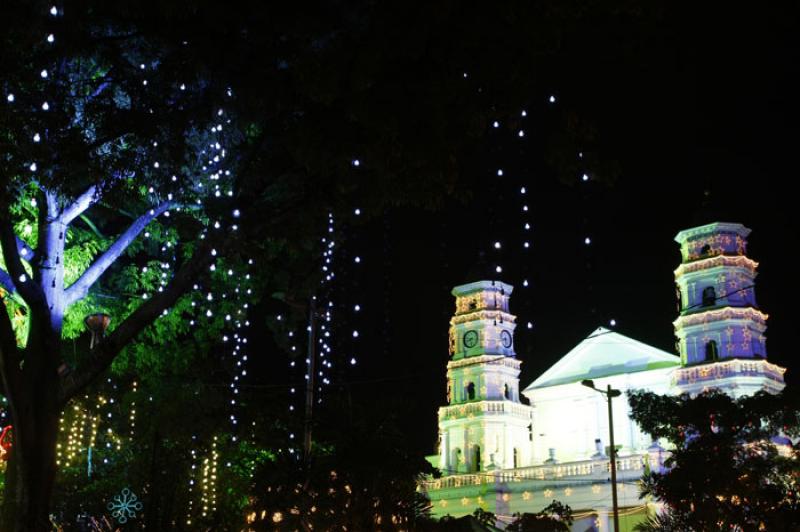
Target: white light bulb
(523,190)
(527,245)
(496,124)
(36,137)
(23,278)
(587,240)
(352,361)
(585,177)
(613,323)
(357,260)
(521,133)
(10,98)
(498,269)
(500,172)
(53,11)
(33,167)
(45,106)
(530,325)
(43,73)
(497,245)
(236,213)
(357,308)
(356,162)
(50,38)
(524,113)
(357,212)
(525,282)
(552,99)
(355,334)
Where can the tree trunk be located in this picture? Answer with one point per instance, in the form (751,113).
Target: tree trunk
(35,416)
(31,472)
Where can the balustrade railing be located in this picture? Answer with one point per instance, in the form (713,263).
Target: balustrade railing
(583,468)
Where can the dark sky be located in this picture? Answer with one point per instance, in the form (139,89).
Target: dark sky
(701,117)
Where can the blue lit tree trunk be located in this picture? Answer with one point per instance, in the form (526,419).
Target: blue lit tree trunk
(35,379)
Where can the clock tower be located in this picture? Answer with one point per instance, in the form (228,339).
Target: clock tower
(484,424)
(720,329)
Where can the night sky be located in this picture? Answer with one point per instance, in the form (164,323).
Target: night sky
(702,121)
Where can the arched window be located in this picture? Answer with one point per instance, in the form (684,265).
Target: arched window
(470,391)
(709,296)
(516,458)
(476,457)
(711,351)
(505,391)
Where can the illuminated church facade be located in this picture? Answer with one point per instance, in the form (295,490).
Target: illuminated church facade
(507,455)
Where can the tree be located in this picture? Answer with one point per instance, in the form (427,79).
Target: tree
(555,517)
(103,133)
(725,470)
(361,476)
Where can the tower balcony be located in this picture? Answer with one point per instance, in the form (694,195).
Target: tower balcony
(484,408)
(717,372)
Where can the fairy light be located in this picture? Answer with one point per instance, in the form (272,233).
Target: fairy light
(132,413)
(81,425)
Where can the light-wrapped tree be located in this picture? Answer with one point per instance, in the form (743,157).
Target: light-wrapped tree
(114,161)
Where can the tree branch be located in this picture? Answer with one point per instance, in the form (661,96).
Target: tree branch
(81,203)
(6,283)
(103,354)
(80,288)
(8,241)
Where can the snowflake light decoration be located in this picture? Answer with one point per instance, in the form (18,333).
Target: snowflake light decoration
(124,506)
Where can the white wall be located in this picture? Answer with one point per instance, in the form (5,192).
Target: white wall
(569,417)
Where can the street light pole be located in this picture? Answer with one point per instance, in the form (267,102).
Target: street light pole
(613,458)
(610,393)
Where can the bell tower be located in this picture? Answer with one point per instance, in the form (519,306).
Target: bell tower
(720,329)
(484,424)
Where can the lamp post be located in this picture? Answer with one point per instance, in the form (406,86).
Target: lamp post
(610,393)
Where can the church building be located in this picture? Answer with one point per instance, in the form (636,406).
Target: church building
(508,449)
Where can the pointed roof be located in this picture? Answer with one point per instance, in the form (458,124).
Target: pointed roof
(601,354)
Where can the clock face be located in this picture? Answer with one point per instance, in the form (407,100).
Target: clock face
(470,339)
(505,337)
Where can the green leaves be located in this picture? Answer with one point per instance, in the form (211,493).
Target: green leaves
(724,469)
